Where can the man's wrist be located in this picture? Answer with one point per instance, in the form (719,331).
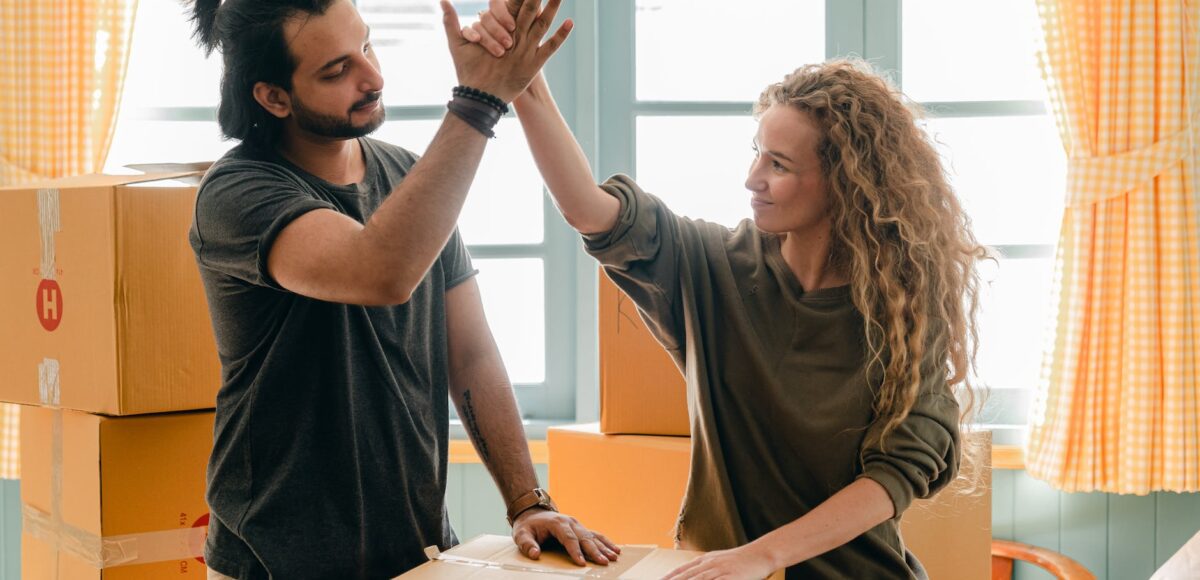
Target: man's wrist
(531,510)
(536,498)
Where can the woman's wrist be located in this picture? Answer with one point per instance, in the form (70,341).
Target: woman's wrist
(537,92)
(761,549)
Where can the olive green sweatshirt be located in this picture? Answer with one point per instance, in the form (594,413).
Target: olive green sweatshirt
(778,391)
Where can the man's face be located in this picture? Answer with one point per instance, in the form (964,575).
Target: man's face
(336,88)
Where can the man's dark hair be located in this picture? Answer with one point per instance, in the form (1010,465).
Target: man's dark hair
(249,35)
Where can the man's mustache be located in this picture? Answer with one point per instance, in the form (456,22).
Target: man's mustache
(367,100)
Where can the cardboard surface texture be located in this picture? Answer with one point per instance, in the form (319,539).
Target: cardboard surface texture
(630,487)
(102,305)
(113,498)
(496,557)
(642,392)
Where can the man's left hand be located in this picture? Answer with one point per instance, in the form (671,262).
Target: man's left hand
(534,527)
(736,564)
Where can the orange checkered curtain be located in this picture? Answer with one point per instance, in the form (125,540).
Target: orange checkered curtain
(1118,407)
(62,66)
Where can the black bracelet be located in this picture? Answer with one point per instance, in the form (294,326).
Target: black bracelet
(479,99)
(481,116)
(482,111)
(481,96)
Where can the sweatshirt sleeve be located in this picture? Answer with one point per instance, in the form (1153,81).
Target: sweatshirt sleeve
(644,256)
(919,457)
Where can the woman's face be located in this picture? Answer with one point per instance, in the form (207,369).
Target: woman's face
(787,188)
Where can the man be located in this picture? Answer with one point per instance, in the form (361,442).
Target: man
(344,302)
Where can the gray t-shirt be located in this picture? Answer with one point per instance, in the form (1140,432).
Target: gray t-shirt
(329,457)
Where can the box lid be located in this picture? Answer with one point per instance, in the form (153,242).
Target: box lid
(97,180)
(494,557)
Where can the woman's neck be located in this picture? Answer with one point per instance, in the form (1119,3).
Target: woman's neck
(806,253)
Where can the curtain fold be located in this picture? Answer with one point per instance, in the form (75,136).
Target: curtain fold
(62,67)
(1118,406)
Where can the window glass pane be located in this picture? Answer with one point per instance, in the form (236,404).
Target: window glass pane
(1013,321)
(411,46)
(505,202)
(698,165)
(167,68)
(1010,173)
(680,59)
(139,141)
(515,303)
(970,50)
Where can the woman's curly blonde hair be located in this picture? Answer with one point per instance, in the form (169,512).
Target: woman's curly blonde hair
(899,234)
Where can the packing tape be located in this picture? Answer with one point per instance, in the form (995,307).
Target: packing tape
(107,551)
(50,222)
(113,551)
(433,553)
(48,391)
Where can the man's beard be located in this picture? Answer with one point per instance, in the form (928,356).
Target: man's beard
(335,127)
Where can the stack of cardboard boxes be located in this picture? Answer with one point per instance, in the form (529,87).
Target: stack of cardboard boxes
(108,347)
(626,475)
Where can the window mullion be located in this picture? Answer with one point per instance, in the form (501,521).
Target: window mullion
(844,28)
(881,37)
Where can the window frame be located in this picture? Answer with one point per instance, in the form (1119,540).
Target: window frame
(602,54)
(553,400)
(871,29)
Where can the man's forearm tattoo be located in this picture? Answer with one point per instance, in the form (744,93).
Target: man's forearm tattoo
(471,421)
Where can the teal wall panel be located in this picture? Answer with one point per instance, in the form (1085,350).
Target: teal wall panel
(454,495)
(483,508)
(1003,497)
(1176,521)
(480,509)
(10,529)
(1083,528)
(1131,530)
(1116,537)
(1035,521)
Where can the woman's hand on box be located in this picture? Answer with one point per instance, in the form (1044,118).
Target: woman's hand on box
(535,527)
(736,564)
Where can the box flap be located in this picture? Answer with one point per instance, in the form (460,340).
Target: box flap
(195,166)
(96,180)
(490,557)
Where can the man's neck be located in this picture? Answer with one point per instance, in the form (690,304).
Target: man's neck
(338,161)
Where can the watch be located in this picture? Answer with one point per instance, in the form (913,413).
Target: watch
(538,498)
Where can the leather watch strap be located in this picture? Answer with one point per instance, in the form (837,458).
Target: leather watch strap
(535,498)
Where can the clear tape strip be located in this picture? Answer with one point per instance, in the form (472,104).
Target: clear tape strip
(48,382)
(108,551)
(583,573)
(114,551)
(50,222)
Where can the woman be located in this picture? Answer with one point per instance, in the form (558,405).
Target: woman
(823,341)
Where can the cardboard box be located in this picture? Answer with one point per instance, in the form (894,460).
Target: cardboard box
(494,557)
(630,487)
(113,498)
(642,392)
(101,301)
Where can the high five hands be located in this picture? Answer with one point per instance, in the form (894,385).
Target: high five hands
(525,54)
